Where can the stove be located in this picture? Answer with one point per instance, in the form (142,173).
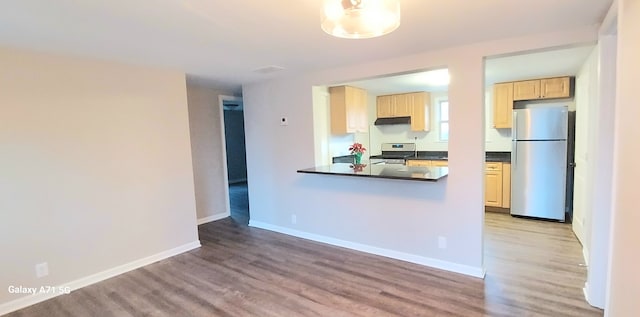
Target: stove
(394,153)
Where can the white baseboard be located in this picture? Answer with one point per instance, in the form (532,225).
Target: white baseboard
(95,278)
(585,255)
(213,218)
(430,262)
(585,291)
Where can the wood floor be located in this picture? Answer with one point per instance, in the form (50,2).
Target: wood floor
(240,271)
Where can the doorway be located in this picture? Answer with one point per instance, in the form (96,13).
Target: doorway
(532,243)
(236,158)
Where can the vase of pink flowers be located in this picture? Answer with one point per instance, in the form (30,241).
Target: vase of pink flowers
(357,150)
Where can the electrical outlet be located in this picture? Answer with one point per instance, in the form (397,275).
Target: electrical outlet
(42,269)
(284,121)
(442,242)
(294,219)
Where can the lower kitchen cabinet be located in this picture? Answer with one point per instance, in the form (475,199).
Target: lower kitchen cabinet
(497,182)
(506,185)
(440,163)
(428,163)
(493,185)
(418,163)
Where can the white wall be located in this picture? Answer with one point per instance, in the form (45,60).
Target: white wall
(321,128)
(497,140)
(95,169)
(207,144)
(586,101)
(397,218)
(624,280)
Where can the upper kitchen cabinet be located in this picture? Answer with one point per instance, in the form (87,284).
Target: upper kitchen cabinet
(547,88)
(385,106)
(504,94)
(403,105)
(414,105)
(390,106)
(420,111)
(348,109)
(555,87)
(526,90)
(502,105)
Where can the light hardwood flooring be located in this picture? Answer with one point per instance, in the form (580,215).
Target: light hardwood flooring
(240,271)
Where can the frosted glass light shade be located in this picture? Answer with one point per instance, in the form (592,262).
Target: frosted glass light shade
(360,19)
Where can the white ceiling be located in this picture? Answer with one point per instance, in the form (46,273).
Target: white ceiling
(223,42)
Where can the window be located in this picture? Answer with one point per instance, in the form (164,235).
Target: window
(443,120)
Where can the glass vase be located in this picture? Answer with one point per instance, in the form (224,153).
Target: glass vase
(357,158)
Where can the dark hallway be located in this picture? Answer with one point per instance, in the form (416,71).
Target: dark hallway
(239,202)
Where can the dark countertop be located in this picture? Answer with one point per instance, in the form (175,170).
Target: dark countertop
(390,171)
(504,157)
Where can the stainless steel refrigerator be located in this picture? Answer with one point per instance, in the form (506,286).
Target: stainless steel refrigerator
(541,162)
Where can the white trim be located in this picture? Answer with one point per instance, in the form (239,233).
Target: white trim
(221,99)
(95,278)
(585,292)
(430,262)
(213,218)
(585,255)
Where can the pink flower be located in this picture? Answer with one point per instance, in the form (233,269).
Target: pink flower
(357,148)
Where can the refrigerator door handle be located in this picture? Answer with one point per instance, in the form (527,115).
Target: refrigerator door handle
(515,153)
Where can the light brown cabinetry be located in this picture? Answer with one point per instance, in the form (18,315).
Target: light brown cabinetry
(547,88)
(390,106)
(502,105)
(559,87)
(427,163)
(504,94)
(440,163)
(493,185)
(526,90)
(414,105)
(506,185)
(497,182)
(348,110)
(403,105)
(420,111)
(385,106)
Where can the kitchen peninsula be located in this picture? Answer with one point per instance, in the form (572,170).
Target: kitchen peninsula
(389,171)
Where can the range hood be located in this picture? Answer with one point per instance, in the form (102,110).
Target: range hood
(394,120)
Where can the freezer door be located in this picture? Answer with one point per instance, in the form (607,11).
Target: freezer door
(538,173)
(540,123)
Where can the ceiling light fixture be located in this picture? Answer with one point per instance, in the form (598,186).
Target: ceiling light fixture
(360,19)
